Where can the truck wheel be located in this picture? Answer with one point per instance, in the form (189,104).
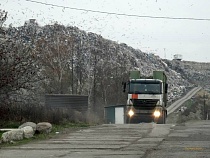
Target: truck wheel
(162,119)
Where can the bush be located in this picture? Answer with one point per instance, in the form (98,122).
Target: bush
(16,115)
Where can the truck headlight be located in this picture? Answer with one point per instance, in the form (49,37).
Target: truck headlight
(131,113)
(157,113)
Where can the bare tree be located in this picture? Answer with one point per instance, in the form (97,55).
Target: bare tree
(3,17)
(56,58)
(18,66)
(19,69)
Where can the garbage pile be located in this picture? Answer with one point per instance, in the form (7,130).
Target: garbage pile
(93,51)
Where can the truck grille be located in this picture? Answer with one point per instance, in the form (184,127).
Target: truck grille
(144,104)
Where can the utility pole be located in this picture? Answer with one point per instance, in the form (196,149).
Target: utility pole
(204,107)
(165,53)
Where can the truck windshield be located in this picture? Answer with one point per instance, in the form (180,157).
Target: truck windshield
(145,88)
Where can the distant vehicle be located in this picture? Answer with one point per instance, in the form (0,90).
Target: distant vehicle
(147,98)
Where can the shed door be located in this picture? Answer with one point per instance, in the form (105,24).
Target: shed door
(119,115)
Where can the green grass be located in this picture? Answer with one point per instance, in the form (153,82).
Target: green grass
(9,124)
(1,133)
(188,103)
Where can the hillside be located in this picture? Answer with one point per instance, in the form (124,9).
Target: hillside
(118,56)
(66,60)
(195,72)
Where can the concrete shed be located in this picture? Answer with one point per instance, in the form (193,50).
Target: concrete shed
(115,114)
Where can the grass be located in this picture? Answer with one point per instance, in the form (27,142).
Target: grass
(1,133)
(188,103)
(9,124)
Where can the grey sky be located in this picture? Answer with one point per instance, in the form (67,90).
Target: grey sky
(164,37)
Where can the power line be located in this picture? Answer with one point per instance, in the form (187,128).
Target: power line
(120,14)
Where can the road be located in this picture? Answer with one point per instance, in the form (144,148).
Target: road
(146,140)
(114,141)
(179,102)
(191,140)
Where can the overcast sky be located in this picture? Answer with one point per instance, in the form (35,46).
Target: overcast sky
(164,37)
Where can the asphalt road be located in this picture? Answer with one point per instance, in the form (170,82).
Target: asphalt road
(114,141)
(147,140)
(189,140)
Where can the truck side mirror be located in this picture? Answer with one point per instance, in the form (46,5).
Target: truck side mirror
(166,88)
(124,86)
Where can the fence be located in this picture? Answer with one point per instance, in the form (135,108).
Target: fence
(73,102)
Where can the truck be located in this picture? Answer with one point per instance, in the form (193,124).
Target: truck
(147,98)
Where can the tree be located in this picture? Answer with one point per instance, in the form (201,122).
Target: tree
(3,17)
(56,56)
(18,67)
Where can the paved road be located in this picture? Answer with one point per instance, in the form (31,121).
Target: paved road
(179,102)
(113,141)
(149,140)
(191,140)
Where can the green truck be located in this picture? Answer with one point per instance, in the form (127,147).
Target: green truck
(147,98)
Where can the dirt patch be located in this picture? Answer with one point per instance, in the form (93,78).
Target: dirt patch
(65,132)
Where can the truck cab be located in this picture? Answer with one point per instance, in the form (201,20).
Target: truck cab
(147,99)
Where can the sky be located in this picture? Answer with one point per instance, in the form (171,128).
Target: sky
(164,37)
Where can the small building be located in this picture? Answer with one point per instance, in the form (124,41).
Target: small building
(115,114)
(31,22)
(178,57)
